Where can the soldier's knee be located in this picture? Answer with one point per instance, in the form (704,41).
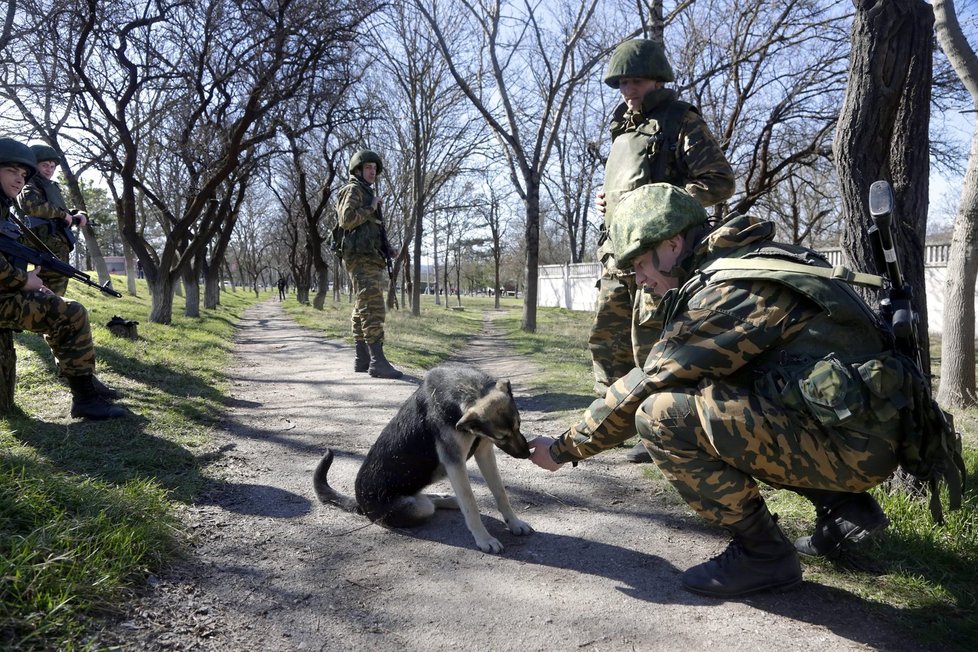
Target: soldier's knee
(668,421)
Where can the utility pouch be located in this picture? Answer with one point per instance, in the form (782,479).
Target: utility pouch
(831,392)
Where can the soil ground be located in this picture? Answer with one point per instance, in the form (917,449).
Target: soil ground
(273,569)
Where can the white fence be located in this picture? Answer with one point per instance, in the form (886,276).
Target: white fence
(574,286)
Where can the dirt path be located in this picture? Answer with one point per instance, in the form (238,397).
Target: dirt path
(272,569)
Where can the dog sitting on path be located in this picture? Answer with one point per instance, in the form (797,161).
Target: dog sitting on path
(458,412)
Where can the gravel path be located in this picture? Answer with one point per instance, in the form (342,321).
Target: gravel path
(272,569)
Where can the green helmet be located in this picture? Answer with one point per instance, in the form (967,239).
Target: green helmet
(639,58)
(366,156)
(648,215)
(45,153)
(12,151)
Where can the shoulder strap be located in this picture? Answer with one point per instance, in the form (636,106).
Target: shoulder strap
(670,119)
(839,272)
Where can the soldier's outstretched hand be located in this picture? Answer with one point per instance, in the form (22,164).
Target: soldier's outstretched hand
(600,203)
(540,454)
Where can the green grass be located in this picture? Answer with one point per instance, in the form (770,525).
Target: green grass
(87,509)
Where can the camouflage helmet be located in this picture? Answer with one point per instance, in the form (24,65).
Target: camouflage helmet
(12,151)
(45,153)
(648,215)
(639,58)
(366,156)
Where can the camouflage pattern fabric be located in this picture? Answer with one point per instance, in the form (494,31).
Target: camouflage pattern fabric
(698,165)
(355,215)
(34,202)
(715,442)
(610,341)
(64,324)
(369,278)
(721,337)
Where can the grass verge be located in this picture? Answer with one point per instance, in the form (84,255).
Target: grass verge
(85,507)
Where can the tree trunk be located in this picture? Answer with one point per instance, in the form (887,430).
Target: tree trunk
(8,372)
(882,134)
(957,386)
(212,286)
(532,255)
(322,288)
(161,293)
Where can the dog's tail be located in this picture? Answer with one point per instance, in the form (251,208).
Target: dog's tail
(326,493)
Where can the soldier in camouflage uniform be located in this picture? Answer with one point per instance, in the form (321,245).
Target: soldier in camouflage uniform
(364,252)
(655,138)
(47,214)
(27,304)
(769,368)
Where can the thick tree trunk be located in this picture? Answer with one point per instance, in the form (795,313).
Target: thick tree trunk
(882,134)
(532,256)
(212,287)
(161,293)
(8,372)
(957,386)
(322,288)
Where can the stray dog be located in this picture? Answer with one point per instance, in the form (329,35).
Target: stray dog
(458,412)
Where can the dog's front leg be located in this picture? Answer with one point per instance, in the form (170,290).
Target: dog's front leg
(485,458)
(459,479)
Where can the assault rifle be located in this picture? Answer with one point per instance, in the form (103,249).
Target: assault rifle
(9,232)
(895,308)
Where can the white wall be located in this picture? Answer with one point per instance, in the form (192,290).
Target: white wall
(574,286)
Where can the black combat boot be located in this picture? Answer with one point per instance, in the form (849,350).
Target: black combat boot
(639,454)
(87,404)
(104,390)
(379,366)
(759,558)
(842,520)
(362,363)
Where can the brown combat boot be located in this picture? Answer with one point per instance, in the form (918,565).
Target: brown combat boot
(759,558)
(86,402)
(379,366)
(362,363)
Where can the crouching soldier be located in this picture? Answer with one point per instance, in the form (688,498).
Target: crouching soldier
(768,369)
(27,304)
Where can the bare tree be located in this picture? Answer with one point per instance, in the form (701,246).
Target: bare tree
(519,64)
(957,386)
(883,134)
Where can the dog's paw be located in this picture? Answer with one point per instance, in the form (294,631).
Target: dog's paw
(489,543)
(516,526)
(444,501)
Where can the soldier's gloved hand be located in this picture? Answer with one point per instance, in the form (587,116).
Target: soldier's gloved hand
(540,453)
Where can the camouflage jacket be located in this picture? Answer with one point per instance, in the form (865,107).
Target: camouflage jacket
(12,279)
(364,230)
(732,327)
(41,201)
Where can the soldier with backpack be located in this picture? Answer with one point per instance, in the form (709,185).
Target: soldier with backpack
(769,368)
(655,138)
(361,242)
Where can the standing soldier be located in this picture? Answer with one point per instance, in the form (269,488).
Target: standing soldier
(27,304)
(47,214)
(364,251)
(655,138)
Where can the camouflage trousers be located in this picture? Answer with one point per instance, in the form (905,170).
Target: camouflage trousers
(60,248)
(715,442)
(64,325)
(369,278)
(622,333)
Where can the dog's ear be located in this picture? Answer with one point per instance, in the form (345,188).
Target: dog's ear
(472,421)
(504,386)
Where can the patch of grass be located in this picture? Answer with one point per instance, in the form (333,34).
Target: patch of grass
(85,507)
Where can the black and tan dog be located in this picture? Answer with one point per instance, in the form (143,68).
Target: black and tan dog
(458,412)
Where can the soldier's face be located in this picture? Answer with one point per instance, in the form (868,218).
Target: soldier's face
(655,269)
(12,179)
(634,89)
(369,172)
(47,168)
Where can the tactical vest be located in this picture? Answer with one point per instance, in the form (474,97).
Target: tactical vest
(366,240)
(643,155)
(840,368)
